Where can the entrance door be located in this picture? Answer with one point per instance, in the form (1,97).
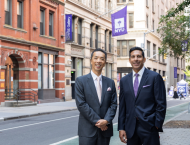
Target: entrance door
(11,77)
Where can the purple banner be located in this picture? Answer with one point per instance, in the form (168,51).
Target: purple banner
(68,27)
(185,76)
(184,45)
(119,25)
(175,72)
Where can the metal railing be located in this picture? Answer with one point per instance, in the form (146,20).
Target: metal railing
(18,94)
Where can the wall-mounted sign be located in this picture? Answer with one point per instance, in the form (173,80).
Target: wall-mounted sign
(68,27)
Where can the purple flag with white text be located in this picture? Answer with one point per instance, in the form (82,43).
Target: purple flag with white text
(68,27)
(119,25)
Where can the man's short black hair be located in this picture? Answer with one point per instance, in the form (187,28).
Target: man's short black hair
(99,49)
(136,48)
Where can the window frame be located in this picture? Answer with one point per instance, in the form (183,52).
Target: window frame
(8,21)
(42,27)
(22,14)
(51,14)
(131,20)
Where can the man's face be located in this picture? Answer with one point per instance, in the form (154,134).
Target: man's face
(98,61)
(136,59)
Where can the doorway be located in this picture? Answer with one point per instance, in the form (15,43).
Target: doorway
(11,77)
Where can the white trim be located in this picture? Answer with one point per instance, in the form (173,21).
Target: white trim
(2,90)
(21,61)
(33,51)
(30,59)
(29,89)
(1,80)
(59,63)
(61,56)
(32,69)
(0,56)
(59,81)
(62,72)
(28,80)
(59,88)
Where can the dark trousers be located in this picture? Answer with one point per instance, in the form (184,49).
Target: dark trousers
(98,139)
(144,136)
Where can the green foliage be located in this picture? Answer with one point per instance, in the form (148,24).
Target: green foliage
(173,31)
(187,73)
(180,8)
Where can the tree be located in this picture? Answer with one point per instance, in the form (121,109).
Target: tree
(187,73)
(180,8)
(173,30)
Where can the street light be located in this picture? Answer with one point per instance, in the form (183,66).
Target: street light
(149,31)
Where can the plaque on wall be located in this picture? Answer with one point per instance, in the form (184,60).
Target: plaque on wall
(67,81)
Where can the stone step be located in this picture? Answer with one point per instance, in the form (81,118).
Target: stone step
(24,104)
(14,103)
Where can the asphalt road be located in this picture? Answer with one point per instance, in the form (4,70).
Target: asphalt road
(47,129)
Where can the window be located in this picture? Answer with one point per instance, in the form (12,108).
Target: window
(105,40)
(110,41)
(108,70)
(154,70)
(154,51)
(80,31)
(177,77)
(46,73)
(118,48)
(8,12)
(124,46)
(147,3)
(42,22)
(152,24)
(181,77)
(147,21)
(148,48)
(164,74)
(131,20)
(79,66)
(159,56)
(91,34)
(50,24)
(177,61)
(160,72)
(163,60)
(96,40)
(153,6)
(181,63)
(20,14)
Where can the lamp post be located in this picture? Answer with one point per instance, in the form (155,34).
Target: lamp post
(149,31)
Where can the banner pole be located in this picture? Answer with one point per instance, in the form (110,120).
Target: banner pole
(111,11)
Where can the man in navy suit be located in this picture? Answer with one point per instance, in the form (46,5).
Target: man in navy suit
(142,103)
(96,100)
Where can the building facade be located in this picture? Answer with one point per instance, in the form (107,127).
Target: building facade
(143,17)
(32,49)
(89,32)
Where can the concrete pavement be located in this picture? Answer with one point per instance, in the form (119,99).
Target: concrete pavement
(46,108)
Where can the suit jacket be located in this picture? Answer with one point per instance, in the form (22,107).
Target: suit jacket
(149,105)
(89,107)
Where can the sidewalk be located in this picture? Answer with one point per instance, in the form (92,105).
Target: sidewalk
(46,108)
(176,131)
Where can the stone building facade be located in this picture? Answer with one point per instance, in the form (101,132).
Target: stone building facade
(32,49)
(89,32)
(143,17)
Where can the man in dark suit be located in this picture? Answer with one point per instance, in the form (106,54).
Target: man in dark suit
(142,103)
(96,100)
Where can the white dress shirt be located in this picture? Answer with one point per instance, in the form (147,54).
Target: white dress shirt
(140,75)
(94,76)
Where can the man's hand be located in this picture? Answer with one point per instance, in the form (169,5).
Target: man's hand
(101,123)
(104,128)
(123,136)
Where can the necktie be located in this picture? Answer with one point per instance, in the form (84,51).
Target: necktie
(136,85)
(99,89)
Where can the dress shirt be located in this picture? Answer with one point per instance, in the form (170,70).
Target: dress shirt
(140,75)
(94,76)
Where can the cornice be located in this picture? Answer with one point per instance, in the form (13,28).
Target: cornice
(25,42)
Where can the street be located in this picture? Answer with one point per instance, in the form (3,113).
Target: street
(61,128)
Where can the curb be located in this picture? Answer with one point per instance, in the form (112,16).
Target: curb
(35,114)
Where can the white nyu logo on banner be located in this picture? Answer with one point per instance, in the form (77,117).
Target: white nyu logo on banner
(119,25)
